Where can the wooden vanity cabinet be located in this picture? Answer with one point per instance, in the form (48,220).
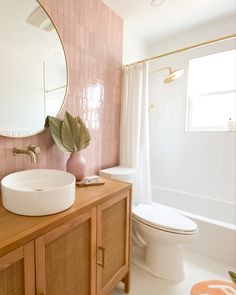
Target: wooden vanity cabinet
(83,251)
(17,271)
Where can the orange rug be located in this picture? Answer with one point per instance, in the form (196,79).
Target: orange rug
(214,288)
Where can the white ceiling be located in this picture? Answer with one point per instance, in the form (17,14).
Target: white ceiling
(172,17)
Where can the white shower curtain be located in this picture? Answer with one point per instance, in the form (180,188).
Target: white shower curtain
(134,146)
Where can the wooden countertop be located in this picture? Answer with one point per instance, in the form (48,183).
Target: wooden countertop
(16,230)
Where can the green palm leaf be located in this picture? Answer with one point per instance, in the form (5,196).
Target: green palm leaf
(55,127)
(70,134)
(233,276)
(84,134)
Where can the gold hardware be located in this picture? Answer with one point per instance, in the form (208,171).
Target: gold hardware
(35,149)
(173,75)
(102,264)
(185,48)
(161,69)
(32,151)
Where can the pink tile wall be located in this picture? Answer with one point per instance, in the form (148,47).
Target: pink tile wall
(92,37)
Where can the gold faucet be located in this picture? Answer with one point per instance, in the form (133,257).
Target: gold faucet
(32,151)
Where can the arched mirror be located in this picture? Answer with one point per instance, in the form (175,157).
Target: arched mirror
(33,69)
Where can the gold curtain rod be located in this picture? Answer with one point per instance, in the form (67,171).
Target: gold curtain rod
(185,48)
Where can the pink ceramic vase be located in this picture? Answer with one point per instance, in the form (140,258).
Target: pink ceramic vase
(76,165)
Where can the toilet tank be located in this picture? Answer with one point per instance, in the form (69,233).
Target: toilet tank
(119,173)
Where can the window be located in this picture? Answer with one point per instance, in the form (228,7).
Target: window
(212,92)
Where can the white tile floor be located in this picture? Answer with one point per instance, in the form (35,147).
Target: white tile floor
(197,269)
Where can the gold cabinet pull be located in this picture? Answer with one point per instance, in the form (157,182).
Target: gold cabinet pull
(102,263)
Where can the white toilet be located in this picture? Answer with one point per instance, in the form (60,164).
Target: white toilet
(158,231)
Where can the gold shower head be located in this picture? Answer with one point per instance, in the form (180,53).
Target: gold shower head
(172,76)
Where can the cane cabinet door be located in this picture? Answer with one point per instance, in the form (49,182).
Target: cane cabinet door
(113,243)
(17,274)
(66,258)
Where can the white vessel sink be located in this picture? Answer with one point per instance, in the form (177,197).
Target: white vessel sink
(38,192)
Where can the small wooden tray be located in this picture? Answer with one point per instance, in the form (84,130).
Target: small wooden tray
(81,184)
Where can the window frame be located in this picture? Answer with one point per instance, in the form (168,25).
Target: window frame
(191,97)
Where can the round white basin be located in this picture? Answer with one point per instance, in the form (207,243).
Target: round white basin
(38,192)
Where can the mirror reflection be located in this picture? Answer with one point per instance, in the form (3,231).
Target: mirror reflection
(33,73)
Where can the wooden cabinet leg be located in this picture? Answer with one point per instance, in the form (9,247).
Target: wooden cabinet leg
(126,281)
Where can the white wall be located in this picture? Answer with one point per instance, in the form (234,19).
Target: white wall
(213,30)
(188,164)
(134,48)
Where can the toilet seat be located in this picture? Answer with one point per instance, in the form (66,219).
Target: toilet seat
(165,219)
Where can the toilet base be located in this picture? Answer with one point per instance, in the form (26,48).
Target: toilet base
(164,261)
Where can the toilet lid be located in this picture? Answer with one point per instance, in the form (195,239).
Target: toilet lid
(164,218)
(119,172)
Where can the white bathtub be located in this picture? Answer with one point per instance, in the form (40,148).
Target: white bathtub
(216,221)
